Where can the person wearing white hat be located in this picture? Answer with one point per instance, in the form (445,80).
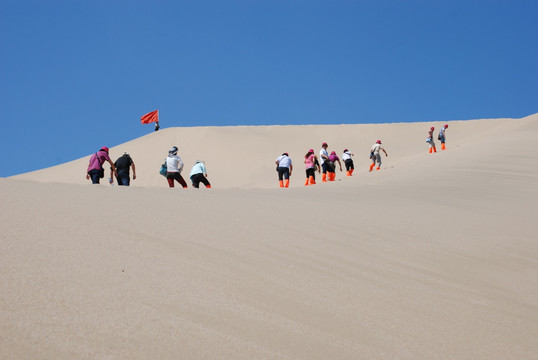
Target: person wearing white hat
(174,165)
(199,175)
(348,161)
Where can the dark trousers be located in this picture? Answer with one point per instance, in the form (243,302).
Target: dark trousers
(123,178)
(283,173)
(196,179)
(95,175)
(349,164)
(311,172)
(171,176)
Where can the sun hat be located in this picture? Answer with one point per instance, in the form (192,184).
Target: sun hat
(104,148)
(311,150)
(432,128)
(173,150)
(378,142)
(324,144)
(333,152)
(446,125)
(285,154)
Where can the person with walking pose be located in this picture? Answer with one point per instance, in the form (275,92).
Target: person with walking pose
(348,161)
(122,165)
(430,141)
(442,136)
(310,167)
(324,158)
(284,168)
(174,165)
(95,170)
(331,166)
(376,156)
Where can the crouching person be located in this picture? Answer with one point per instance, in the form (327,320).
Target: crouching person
(199,175)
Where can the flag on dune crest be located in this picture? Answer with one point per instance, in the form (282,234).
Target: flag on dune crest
(150,117)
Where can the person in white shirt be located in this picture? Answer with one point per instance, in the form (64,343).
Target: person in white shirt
(174,165)
(348,161)
(376,156)
(284,168)
(323,158)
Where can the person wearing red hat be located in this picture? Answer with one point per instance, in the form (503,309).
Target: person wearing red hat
(442,136)
(324,158)
(375,155)
(430,141)
(284,168)
(310,167)
(95,167)
(331,165)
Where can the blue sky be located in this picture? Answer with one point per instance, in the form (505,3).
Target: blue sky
(76,75)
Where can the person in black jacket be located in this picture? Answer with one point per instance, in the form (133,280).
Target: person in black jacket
(122,169)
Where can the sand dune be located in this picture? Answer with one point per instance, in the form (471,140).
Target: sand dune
(433,257)
(243,156)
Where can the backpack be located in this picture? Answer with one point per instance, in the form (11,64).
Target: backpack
(164,169)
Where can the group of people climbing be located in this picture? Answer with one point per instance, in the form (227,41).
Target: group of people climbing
(119,170)
(441,137)
(173,165)
(326,163)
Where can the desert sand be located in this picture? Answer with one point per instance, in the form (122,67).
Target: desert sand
(435,256)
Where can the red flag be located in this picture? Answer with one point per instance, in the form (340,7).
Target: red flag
(150,117)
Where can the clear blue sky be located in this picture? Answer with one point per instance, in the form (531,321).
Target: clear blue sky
(76,75)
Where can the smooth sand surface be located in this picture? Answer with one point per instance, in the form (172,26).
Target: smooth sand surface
(432,257)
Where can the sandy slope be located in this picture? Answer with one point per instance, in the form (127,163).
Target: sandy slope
(434,257)
(243,156)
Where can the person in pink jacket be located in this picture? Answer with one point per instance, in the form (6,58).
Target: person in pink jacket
(331,165)
(310,161)
(95,167)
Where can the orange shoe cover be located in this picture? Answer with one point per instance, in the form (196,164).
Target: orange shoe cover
(306,182)
(434,149)
(324,177)
(287,183)
(378,168)
(208,187)
(443,147)
(431,150)
(312,181)
(372,167)
(348,173)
